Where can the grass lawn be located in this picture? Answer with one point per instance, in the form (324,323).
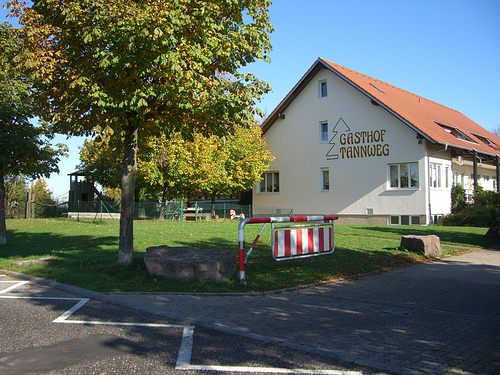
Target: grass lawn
(84,253)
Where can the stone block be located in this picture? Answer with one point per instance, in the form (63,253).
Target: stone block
(428,245)
(189,263)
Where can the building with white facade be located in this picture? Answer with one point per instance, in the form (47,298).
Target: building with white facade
(371,152)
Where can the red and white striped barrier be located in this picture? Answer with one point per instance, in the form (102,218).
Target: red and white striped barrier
(297,242)
(288,242)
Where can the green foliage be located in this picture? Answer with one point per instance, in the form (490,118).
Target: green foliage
(487,198)
(481,213)
(42,198)
(458,198)
(154,65)
(15,193)
(25,149)
(179,168)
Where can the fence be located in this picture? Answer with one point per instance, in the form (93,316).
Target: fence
(171,210)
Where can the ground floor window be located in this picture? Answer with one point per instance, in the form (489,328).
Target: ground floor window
(405,220)
(403,176)
(270,182)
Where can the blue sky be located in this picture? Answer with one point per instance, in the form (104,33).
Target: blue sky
(444,50)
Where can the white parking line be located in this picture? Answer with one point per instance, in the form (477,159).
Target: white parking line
(274,370)
(17,284)
(186,346)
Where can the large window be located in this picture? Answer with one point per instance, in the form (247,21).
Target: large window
(270,182)
(404,176)
(325,179)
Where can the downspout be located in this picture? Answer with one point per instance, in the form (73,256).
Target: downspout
(428,180)
(474,172)
(497,159)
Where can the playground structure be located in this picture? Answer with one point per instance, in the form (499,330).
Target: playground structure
(291,237)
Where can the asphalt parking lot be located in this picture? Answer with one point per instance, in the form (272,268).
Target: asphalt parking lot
(47,331)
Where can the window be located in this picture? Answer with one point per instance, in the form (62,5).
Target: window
(456,133)
(323,89)
(325,179)
(403,176)
(404,220)
(270,182)
(438,177)
(486,140)
(323,132)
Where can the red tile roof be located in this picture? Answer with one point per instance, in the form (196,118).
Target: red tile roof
(421,114)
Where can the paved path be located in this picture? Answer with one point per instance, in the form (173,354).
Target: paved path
(438,318)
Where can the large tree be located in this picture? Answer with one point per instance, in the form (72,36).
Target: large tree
(26,148)
(145,66)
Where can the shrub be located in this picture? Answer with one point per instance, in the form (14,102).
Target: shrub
(458,198)
(483,212)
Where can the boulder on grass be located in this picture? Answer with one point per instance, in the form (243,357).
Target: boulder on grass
(494,231)
(428,245)
(189,263)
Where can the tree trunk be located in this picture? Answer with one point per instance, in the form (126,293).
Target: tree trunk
(163,207)
(129,168)
(3,227)
(212,204)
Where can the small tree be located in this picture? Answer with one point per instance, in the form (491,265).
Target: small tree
(15,196)
(26,149)
(42,197)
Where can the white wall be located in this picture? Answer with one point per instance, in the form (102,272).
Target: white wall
(356,184)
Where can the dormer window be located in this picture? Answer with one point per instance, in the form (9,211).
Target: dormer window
(456,132)
(323,89)
(486,141)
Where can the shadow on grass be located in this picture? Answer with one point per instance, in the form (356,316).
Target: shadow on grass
(456,236)
(26,245)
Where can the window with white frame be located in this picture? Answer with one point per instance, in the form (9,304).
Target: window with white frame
(323,89)
(270,182)
(447,176)
(403,176)
(325,179)
(323,131)
(436,176)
